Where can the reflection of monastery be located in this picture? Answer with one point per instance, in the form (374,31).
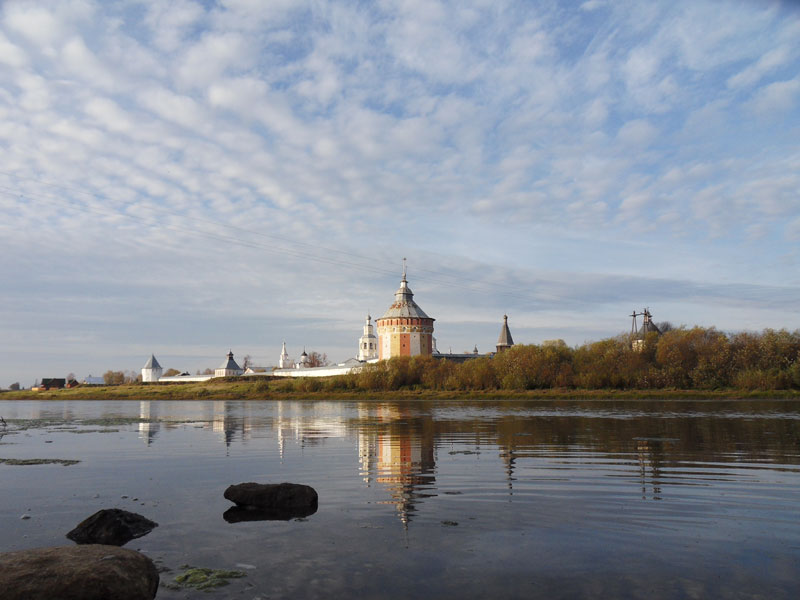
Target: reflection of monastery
(404,330)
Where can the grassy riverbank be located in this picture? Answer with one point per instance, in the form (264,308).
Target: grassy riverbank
(226,389)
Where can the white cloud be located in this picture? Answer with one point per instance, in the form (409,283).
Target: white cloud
(213,56)
(36,23)
(172,22)
(775,98)
(755,72)
(10,54)
(638,132)
(82,62)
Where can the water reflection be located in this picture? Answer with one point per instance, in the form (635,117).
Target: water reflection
(397,451)
(397,443)
(447,499)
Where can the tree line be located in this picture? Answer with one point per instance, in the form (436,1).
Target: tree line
(681,358)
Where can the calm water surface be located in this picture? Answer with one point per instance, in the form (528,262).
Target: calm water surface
(430,499)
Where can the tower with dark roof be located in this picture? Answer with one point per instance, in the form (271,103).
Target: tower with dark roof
(505,341)
(405,329)
(648,326)
(151,371)
(229,368)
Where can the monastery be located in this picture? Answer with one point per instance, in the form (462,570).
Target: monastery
(404,330)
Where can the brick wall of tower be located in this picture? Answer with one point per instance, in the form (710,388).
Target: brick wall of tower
(404,337)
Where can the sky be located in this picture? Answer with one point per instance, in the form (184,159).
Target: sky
(183,178)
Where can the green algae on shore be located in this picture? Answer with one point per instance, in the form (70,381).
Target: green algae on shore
(203,578)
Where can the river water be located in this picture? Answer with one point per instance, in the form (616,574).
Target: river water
(490,499)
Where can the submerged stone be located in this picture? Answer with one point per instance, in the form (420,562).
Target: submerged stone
(93,572)
(112,526)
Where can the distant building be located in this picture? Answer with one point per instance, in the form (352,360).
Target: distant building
(505,341)
(50,383)
(95,380)
(405,329)
(151,371)
(648,326)
(305,361)
(284,362)
(368,344)
(229,368)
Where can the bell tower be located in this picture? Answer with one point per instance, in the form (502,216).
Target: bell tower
(368,344)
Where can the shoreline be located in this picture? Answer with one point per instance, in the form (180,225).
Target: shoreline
(264,390)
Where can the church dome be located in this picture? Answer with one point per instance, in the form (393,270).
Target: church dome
(404,306)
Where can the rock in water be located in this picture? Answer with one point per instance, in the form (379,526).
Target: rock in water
(90,572)
(283,500)
(112,526)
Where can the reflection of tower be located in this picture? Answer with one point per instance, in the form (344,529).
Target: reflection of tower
(509,458)
(224,421)
(405,461)
(651,455)
(147,429)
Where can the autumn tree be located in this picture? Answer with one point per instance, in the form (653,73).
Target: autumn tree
(114,377)
(315,359)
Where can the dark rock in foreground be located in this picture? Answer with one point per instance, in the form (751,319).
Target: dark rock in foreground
(281,500)
(91,572)
(112,526)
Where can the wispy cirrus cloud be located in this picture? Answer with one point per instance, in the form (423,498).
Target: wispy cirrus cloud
(290,149)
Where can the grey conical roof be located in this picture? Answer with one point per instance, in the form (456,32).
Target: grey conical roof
(152,363)
(230,363)
(647,327)
(505,338)
(404,305)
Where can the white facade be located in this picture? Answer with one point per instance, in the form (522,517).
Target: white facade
(349,366)
(152,371)
(284,362)
(368,344)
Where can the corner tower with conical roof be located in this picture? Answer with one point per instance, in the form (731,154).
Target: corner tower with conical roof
(152,371)
(504,341)
(405,329)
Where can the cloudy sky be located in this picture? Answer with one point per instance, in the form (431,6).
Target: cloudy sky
(187,177)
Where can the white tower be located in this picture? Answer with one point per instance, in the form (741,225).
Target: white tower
(304,361)
(151,372)
(284,362)
(368,344)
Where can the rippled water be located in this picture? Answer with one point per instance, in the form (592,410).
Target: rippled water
(514,499)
